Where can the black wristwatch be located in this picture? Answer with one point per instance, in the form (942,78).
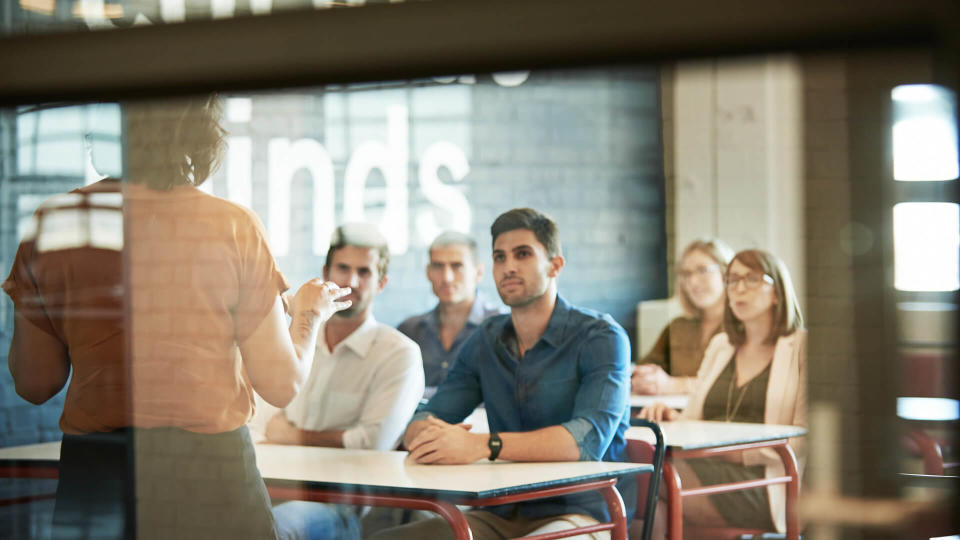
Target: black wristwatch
(495,445)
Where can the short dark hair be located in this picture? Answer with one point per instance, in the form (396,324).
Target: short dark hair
(362,235)
(540,224)
(786,314)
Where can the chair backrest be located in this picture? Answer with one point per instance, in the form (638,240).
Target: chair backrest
(643,452)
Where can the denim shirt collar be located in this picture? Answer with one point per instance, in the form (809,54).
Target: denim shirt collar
(556,327)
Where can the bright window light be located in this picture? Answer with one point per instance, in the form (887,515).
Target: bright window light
(924,133)
(80,141)
(914,408)
(926,242)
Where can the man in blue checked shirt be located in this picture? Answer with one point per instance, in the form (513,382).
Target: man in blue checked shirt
(454,273)
(555,380)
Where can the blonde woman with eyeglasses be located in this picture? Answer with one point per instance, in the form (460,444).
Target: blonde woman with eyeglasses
(670,367)
(756,371)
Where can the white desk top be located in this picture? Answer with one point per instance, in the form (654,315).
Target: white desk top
(674,401)
(695,434)
(389,472)
(39,453)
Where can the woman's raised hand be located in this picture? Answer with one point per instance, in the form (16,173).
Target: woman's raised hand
(320,299)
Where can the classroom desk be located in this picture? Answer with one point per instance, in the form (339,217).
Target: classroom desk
(674,401)
(375,478)
(698,438)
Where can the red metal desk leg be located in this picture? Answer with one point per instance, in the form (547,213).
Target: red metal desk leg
(673,485)
(618,514)
(793,489)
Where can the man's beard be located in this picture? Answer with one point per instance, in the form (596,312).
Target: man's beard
(351,311)
(521,302)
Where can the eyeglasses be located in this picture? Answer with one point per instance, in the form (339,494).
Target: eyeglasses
(752,281)
(699,271)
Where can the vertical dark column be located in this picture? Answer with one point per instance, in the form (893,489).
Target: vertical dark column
(869,86)
(946,72)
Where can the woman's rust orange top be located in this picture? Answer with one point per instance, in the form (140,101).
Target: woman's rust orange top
(151,292)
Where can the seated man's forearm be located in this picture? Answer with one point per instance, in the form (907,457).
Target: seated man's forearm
(552,443)
(329,438)
(280,430)
(435,441)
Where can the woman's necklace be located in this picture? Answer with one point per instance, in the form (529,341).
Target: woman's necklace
(731,414)
(743,391)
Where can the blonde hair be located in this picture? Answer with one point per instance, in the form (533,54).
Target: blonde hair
(786,312)
(173,142)
(717,250)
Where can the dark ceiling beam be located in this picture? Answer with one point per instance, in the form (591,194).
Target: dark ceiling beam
(408,40)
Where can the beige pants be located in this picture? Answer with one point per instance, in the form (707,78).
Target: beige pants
(487,526)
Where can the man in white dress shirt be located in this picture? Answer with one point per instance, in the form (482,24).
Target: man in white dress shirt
(365,383)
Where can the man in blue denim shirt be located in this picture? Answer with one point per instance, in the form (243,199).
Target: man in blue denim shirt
(555,380)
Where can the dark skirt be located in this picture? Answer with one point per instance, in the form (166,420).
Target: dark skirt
(161,483)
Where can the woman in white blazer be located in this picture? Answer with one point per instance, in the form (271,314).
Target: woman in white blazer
(756,371)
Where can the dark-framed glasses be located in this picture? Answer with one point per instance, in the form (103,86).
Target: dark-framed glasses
(751,281)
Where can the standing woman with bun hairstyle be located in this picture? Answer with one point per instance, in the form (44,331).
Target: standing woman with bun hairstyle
(756,371)
(670,367)
(162,304)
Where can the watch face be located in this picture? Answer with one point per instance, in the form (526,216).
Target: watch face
(494,443)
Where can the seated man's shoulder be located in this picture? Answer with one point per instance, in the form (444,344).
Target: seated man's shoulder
(587,320)
(410,324)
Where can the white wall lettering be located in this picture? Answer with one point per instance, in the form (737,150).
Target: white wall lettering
(173,10)
(94,15)
(285,159)
(438,155)
(239,181)
(223,9)
(261,7)
(392,160)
